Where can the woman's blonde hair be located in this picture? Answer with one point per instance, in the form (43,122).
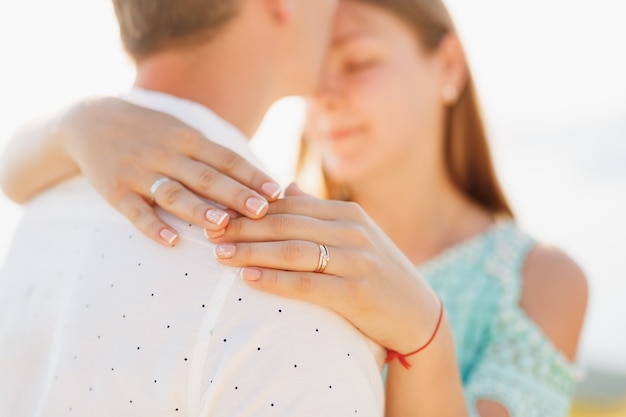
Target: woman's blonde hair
(467,158)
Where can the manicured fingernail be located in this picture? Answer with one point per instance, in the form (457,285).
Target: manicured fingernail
(225,251)
(216,216)
(168,236)
(250,274)
(256,205)
(271,189)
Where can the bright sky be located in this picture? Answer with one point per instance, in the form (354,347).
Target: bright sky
(551,78)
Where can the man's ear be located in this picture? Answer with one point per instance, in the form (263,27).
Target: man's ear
(282,10)
(454,67)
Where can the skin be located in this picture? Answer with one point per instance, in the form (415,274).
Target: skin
(378,117)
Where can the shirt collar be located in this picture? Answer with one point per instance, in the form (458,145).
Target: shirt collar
(197,116)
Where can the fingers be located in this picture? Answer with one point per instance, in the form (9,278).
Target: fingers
(143,216)
(206,168)
(305,206)
(293,190)
(176,199)
(234,166)
(292,255)
(282,227)
(324,290)
(314,207)
(214,185)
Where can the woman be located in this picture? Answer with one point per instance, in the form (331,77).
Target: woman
(397,125)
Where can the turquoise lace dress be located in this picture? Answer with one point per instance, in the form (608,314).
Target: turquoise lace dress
(502,353)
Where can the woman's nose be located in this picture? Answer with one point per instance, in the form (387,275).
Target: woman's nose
(329,96)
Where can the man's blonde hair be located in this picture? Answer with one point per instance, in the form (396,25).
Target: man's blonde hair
(149,26)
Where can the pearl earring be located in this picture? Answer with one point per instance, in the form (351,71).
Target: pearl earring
(449,94)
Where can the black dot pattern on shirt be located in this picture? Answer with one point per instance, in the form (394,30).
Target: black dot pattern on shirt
(120,369)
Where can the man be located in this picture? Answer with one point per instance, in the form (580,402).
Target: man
(96,320)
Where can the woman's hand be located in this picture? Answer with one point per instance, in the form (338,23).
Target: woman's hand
(123,149)
(367,280)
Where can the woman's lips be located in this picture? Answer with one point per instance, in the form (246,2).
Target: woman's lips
(343,133)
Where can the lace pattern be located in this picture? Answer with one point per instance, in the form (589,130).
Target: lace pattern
(503,354)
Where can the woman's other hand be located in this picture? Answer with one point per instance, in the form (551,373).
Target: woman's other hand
(368,280)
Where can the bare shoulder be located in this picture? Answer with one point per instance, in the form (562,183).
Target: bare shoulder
(555,296)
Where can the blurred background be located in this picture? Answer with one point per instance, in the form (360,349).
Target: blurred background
(552,78)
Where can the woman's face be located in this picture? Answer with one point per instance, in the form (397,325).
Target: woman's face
(379,105)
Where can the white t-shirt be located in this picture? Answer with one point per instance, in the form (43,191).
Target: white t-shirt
(97,320)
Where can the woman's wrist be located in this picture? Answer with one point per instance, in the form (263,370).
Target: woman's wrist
(418,325)
(402,356)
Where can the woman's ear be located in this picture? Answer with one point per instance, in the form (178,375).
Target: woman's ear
(454,69)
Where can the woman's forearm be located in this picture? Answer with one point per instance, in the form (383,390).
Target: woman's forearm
(35,159)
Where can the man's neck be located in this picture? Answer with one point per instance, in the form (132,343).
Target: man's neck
(237,86)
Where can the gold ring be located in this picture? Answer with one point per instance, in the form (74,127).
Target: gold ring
(322,263)
(155,186)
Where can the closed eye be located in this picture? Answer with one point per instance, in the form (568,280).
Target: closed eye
(359,66)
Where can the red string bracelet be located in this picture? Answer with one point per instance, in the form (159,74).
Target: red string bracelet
(392,354)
